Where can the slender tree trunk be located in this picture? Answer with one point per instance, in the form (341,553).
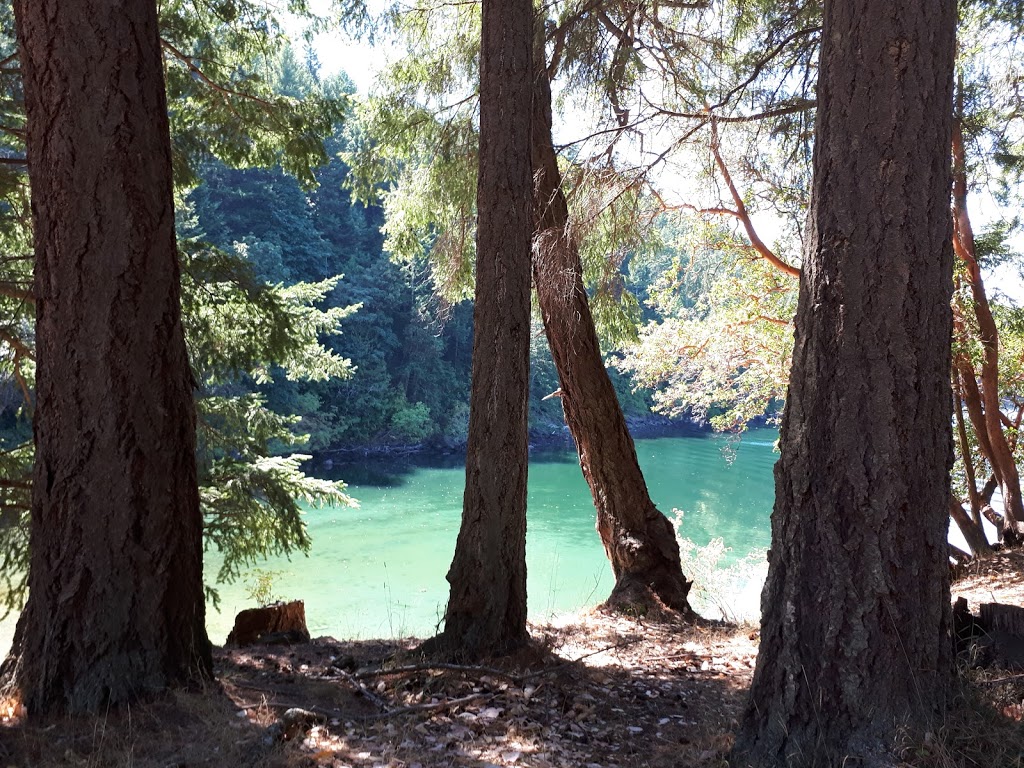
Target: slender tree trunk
(854,632)
(965,449)
(639,540)
(986,411)
(487,608)
(972,400)
(971,526)
(115,606)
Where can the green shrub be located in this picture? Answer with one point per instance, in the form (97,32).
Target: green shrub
(411,424)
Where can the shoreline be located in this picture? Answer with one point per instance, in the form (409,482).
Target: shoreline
(552,438)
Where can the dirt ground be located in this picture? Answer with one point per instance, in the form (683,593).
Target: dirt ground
(594,691)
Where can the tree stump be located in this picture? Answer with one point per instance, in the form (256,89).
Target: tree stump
(995,638)
(276,623)
(1006,618)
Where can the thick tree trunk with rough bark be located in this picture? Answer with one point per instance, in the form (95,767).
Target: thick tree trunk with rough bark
(639,540)
(854,635)
(487,608)
(115,606)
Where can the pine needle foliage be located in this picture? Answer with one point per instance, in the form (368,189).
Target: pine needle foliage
(413,149)
(233,96)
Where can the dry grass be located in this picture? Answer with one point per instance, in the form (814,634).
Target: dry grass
(180,729)
(983,728)
(985,725)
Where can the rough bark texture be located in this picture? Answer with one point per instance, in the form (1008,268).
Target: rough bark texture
(115,604)
(639,540)
(279,622)
(855,611)
(487,608)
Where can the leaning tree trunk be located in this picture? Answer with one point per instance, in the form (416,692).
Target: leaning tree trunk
(115,606)
(487,608)
(854,632)
(973,533)
(639,540)
(985,410)
(970,525)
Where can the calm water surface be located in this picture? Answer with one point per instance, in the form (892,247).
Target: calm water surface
(379,570)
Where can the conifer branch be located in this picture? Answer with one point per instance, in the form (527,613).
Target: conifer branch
(764,62)
(199,73)
(794,107)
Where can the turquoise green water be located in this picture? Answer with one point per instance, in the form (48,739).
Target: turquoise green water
(379,570)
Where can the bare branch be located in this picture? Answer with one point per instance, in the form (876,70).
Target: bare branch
(741,211)
(19,346)
(11,291)
(794,107)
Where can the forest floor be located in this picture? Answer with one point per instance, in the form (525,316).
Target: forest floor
(594,691)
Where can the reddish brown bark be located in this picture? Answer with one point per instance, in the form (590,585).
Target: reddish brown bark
(855,611)
(965,449)
(486,612)
(280,622)
(638,539)
(983,402)
(115,606)
(741,213)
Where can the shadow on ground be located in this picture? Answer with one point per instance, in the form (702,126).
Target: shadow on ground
(606,691)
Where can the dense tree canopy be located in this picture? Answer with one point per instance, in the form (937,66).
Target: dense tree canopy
(330,245)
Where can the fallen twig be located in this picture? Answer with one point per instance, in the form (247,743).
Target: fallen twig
(431,707)
(570,662)
(1006,679)
(432,667)
(337,714)
(366,692)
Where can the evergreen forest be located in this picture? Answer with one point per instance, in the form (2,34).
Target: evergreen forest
(225,269)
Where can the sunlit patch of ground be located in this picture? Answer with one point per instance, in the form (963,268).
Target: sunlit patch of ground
(593,691)
(998,578)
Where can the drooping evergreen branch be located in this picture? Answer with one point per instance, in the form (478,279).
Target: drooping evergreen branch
(219,87)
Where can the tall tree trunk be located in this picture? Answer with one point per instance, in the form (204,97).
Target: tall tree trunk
(487,608)
(638,539)
(115,606)
(855,610)
(986,414)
